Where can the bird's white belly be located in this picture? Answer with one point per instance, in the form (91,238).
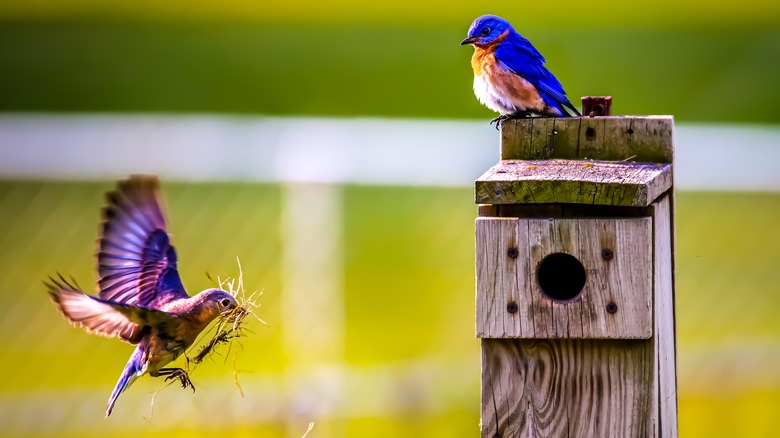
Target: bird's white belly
(489,96)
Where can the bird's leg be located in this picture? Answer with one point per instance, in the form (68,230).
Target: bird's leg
(498,120)
(515,115)
(177,373)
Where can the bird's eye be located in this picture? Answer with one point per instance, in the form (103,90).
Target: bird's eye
(486,31)
(225,302)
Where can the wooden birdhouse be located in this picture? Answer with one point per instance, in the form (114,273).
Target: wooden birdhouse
(575,279)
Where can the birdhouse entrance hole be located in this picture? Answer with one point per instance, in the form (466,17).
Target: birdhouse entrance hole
(561,276)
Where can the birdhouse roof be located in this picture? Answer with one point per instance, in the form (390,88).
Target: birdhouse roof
(561,181)
(619,161)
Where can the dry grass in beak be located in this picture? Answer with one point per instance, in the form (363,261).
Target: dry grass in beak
(230,324)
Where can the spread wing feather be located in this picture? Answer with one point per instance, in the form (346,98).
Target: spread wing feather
(136,261)
(103,317)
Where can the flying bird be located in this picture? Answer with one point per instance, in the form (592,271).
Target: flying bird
(509,73)
(141,298)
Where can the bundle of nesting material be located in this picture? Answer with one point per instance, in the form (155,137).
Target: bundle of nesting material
(231,325)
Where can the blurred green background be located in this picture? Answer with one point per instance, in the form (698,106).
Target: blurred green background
(713,61)
(408,264)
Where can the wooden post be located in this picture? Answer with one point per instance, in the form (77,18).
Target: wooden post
(575,280)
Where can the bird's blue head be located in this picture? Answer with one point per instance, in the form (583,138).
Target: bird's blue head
(216,301)
(486,30)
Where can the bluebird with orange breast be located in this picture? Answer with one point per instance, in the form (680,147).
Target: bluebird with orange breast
(509,73)
(141,299)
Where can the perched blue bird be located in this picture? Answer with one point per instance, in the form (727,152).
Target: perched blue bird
(141,299)
(509,73)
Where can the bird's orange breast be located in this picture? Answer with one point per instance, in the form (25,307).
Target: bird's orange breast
(484,55)
(190,326)
(481,59)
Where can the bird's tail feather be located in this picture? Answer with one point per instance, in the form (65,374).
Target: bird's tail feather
(561,104)
(133,369)
(570,106)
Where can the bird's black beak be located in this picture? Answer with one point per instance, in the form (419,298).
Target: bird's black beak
(469,40)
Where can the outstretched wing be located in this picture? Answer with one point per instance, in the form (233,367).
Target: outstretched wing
(520,56)
(103,317)
(136,261)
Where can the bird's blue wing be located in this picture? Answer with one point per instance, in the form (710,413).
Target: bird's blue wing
(520,56)
(136,261)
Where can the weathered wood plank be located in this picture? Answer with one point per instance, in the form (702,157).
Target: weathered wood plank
(664,332)
(565,139)
(559,181)
(650,138)
(624,280)
(498,274)
(645,138)
(619,140)
(516,140)
(541,145)
(487,210)
(560,388)
(592,138)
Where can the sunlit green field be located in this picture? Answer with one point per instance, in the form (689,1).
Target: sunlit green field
(409,296)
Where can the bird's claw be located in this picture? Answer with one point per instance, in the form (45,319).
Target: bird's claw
(183,377)
(516,115)
(498,120)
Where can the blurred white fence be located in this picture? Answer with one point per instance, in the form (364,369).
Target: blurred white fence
(362,151)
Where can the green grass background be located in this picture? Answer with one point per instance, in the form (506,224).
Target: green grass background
(699,61)
(408,250)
